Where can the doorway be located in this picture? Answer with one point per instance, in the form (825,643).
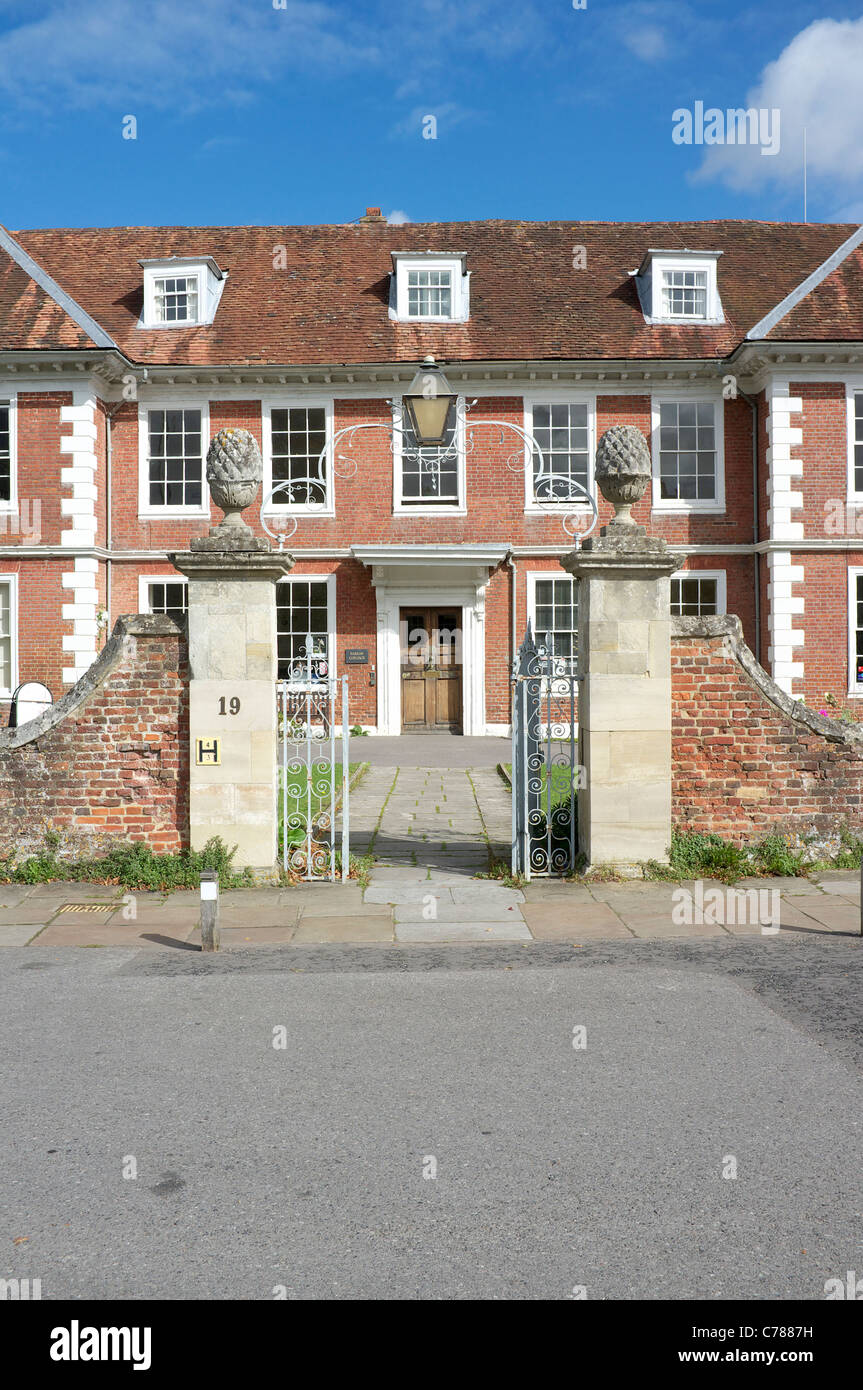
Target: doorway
(430,642)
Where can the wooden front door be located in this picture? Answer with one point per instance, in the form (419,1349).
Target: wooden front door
(430,668)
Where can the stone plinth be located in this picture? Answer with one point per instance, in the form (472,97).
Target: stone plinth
(624,703)
(233,727)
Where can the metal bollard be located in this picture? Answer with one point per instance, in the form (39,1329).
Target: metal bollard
(209,910)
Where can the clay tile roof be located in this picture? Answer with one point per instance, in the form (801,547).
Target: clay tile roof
(833,309)
(330,304)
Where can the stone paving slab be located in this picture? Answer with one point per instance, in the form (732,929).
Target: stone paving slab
(845,888)
(550,920)
(456,912)
(484,891)
(83,934)
(17,935)
(663,929)
(11,894)
(231,937)
(37,913)
(405,894)
(332,929)
(585,928)
(423,932)
(829,915)
(62,892)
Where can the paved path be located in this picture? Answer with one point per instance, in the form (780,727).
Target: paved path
(430,750)
(430,831)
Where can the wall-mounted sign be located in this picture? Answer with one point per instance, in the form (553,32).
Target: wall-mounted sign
(208,752)
(356,656)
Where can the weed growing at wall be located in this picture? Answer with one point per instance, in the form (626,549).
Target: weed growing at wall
(131,866)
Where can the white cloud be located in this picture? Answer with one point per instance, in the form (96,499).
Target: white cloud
(159,53)
(88,53)
(814,83)
(397,218)
(646,41)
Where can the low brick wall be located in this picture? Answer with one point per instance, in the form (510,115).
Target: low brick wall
(747,758)
(109,761)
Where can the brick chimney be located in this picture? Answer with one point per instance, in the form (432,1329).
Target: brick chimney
(373,215)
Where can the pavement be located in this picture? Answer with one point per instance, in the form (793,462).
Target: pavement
(428,832)
(412,1122)
(410,906)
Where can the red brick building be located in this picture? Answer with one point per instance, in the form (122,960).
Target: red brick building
(737,347)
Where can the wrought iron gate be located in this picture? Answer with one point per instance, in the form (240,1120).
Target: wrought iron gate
(545,769)
(314,781)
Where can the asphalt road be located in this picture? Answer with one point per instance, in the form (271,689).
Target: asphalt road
(556,1167)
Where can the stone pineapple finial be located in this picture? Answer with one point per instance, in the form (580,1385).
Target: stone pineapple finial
(234,473)
(623,470)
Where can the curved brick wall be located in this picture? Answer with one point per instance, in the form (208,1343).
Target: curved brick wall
(109,761)
(746,758)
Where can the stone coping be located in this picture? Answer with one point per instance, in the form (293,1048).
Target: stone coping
(233,564)
(729,628)
(139,625)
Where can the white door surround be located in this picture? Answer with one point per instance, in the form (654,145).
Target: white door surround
(451,576)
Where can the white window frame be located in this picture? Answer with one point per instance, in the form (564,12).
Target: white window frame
(459,280)
(144,582)
(330,581)
(720,576)
(145,510)
(11,507)
(532,576)
(714,506)
(279,504)
(853,388)
(211,283)
(188,276)
(533,507)
(401,508)
(855,691)
(660,264)
(12,581)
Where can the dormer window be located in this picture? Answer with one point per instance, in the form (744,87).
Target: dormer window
(679,287)
(429,287)
(180,292)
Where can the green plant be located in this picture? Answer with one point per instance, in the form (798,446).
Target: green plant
(132,866)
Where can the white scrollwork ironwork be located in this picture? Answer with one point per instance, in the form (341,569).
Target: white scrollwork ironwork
(544,761)
(309,786)
(558,494)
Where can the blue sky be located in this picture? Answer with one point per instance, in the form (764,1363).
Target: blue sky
(309,112)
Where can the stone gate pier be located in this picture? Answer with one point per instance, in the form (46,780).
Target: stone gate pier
(233,722)
(624,657)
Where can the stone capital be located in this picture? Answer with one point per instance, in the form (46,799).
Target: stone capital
(624,551)
(235,565)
